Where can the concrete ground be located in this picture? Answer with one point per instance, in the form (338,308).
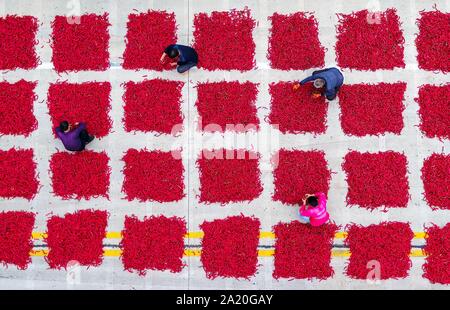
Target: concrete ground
(334,143)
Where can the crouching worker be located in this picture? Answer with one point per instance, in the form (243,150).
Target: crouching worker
(73,139)
(187,57)
(330,80)
(314,209)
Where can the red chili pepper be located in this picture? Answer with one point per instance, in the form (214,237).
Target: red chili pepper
(148,34)
(155,243)
(365,45)
(230,247)
(434,111)
(372,109)
(377,180)
(292,35)
(152,176)
(295,111)
(435,177)
(18,177)
(19,36)
(229,178)
(227,103)
(436,267)
(433,41)
(299,173)
(224,40)
(15,238)
(16,108)
(303,251)
(153,105)
(76,237)
(388,243)
(80,175)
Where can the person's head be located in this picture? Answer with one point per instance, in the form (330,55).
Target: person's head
(172,53)
(64,126)
(312,201)
(319,83)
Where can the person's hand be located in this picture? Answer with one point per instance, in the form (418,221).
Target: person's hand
(173,64)
(296,86)
(162,58)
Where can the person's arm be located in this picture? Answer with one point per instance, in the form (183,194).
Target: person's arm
(308,79)
(80,128)
(58,132)
(306,212)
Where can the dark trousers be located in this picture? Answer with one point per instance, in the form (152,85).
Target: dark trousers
(85,137)
(186,67)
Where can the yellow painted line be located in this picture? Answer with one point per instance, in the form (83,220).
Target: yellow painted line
(340,235)
(37,235)
(266,235)
(266,253)
(112,253)
(39,253)
(420,235)
(198,252)
(194,235)
(192,252)
(114,235)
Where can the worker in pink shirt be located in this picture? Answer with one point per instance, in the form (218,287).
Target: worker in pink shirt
(314,208)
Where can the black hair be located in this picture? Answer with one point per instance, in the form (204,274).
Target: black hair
(312,201)
(64,125)
(172,52)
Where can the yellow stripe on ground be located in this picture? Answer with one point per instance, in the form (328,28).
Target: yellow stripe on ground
(114,235)
(340,235)
(194,235)
(198,252)
(37,235)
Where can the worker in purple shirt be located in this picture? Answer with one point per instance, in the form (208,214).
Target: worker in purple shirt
(187,56)
(73,139)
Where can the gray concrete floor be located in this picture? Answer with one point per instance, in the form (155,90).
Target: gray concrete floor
(334,143)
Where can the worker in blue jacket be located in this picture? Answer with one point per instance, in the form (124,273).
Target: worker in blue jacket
(331,78)
(187,56)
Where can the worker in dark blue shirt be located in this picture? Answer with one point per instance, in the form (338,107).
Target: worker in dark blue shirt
(331,78)
(187,56)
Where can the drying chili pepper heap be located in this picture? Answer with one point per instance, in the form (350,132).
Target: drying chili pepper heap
(16,108)
(299,173)
(434,110)
(80,43)
(153,105)
(294,42)
(15,238)
(76,237)
(148,34)
(18,177)
(372,109)
(433,41)
(87,102)
(382,248)
(230,247)
(437,264)
(18,34)
(231,176)
(435,177)
(296,111)
(227,103)
(303,251)
(80,175)
(376,180)
(224,40)
(153,176)
(156,243)
(370,41)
